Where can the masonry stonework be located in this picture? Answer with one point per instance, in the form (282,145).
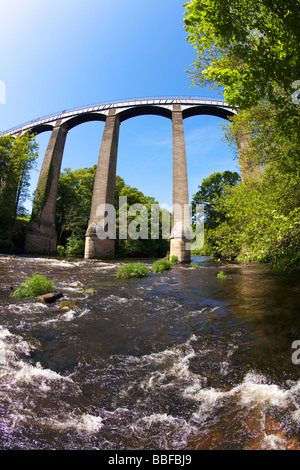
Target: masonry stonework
(180,234)
(104,190)
(41,231)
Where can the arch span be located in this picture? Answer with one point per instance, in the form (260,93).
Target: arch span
(83,118)
(39,129)
(143,110)
(208,110)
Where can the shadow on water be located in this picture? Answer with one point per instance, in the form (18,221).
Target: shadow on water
(180,360)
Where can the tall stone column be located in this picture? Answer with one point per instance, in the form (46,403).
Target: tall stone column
(41,233)
(180,234)
(104,193)
(249,167)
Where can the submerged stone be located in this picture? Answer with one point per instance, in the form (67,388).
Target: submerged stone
(89,291)
(68,304)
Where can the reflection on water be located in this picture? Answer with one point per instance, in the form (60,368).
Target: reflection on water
(181,360)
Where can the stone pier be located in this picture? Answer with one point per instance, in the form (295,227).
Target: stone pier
(104,192)
(180,234)
(41,233)
(249,167)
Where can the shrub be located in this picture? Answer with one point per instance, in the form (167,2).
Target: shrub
(222,275)
(174,259)
(161,266)
(194,265)
(89,291)
(132,270)
(60,250)
(75,246)
(34,286)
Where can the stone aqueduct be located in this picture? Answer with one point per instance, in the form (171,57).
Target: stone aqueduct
(41,231)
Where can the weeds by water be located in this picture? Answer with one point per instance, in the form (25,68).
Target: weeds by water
(161,266)
(222,275)
(140,270)
(34,286)
(132,270)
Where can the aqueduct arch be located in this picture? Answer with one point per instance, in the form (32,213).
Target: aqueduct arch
(41,231)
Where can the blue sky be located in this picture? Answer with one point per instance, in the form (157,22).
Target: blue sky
(67,53)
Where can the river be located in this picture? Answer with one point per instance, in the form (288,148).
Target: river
(180,361)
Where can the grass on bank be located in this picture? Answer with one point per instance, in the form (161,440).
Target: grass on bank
(34,286)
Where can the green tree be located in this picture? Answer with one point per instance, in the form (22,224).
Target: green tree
(210,191)
(251,48)
(18,156)
(262,217)
(75,189)
(262,222)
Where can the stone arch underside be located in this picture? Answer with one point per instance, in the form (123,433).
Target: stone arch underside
(83,118)
(208,111)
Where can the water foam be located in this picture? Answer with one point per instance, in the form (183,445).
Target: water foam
(15,370)
(84,423)
(254,390)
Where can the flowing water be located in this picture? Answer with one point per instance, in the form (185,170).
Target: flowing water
(181,361)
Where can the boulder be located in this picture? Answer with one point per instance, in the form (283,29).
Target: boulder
(50,298)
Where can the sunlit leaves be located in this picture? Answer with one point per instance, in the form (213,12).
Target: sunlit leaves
(260,38)
(18,155)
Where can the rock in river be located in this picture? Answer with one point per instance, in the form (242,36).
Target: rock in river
(50,298)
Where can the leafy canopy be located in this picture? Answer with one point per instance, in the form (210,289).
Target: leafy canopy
(18,156)
(251,48)
(210,191)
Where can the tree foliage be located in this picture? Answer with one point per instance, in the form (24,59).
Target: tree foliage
(18,157)
(210,191)
(75,189)
(261,217)
(251,48)
(262,222)
(139,209)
